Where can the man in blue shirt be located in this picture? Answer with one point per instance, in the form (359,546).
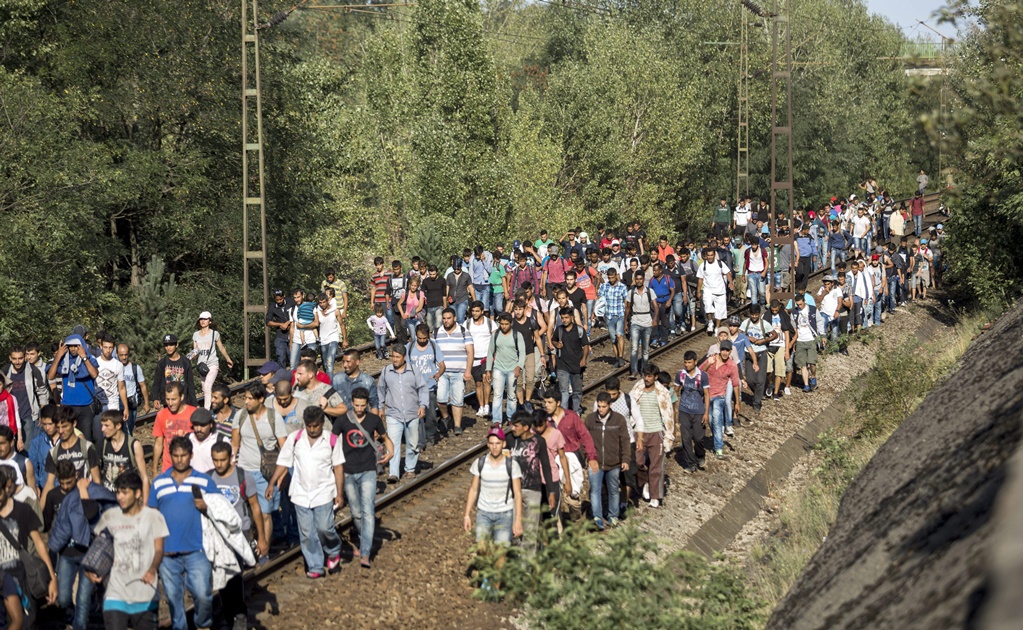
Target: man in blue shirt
(175,494)
(807,255)
(77,370)
(353,377)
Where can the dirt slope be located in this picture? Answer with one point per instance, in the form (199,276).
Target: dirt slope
(912,547)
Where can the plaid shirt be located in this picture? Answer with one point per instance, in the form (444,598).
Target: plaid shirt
(614,298)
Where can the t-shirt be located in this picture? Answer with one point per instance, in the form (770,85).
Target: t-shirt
(571,352)
(238,493)
(831,301)
(177,504)
(480,334)
(330,330)
(116,461)
(133,554)
(757,331)
(861,225)
(458,286)
(360,454)
(527,330)
(434,290)
(380,282)
(110,372)
(21,522)
(207,347)
(174,371)
(577,297)
(248,451)
(131,385)
(497,279)
(531,456)
(171,425)
(715,277)
(641,305)
(426,360)
(775,320)
(802,323)
(555,442)
(494,483)
(453,346)
(82,454)
(650,412)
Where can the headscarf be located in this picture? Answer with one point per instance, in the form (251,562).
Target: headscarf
(69,366)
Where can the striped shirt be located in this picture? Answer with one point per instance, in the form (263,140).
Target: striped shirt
(177,504)
(380,282)
(650,412)
(454,346)
(614,298)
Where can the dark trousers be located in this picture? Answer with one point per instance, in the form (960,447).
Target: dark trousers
(692,439)
(283,349)
(630,490)
(803,269)
(757,380)
(429,430)
(232,598)
(83,420)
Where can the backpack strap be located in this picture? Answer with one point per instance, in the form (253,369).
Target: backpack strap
(508,466)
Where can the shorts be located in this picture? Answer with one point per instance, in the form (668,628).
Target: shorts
(451,389)
(716,305)
(496,526)
(616,327)
(923,278)
(776,360)
(477,372)
(806,353)
(268,506)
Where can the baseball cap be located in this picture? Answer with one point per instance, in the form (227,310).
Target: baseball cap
(923,241)
(829,278)
(725,345)
(765,230)
(495,431)
(73,340)
(170,340)
(940,226)
(516,244)
(734,320)
(202,416)
(268,368)
(280,375)
(721,330)
(615,241)
(875,257)
(205,315)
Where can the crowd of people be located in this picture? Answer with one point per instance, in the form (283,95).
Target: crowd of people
(225,483)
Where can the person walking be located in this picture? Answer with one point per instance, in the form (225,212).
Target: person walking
(206,341)
(506,361)
(610,434)
(655,431)
(316,490)
(496,493)
(404,396)
(693,406)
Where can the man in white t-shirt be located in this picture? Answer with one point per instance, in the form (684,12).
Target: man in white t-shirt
(110,389)
(830,302)
(713,279)
(481,328)
(496,493)
(860,230)
(328,320)
(741,216)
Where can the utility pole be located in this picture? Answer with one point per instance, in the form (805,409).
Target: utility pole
(742,133)
(253,192)
(781,142)
(941,98)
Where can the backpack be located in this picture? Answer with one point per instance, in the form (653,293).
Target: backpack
(721,266)
(515,338)
(85,451)
(129,442)
(631,299)
(298,434)
(460,327)
(508,466)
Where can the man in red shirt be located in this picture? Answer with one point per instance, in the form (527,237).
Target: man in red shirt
(578,442)
(173,420)
(721,369)
(916,208)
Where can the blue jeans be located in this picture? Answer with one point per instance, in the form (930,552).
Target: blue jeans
(433,317)
(615,326)
(729,400)
(192,571)
(597,479)
(638,334)
(361,491)
(328,351)
(877,308)
(503,386)
(67,569)
(860,244)
(461,308)
(380,342)
(893,288)
(318,534)
(129,424)
(411,324)
(918,224)
(755,282)
(590,304)
(718,413)
(838,255)
(678,312)
(296,350)
(483,295)
(498,301)
(281,347)
(574,382)
(395,429)
(496,526)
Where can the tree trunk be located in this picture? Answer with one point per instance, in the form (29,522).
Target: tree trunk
(136,264)
(114,271)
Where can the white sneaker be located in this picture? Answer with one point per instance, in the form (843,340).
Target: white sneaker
(788,391)
(729,432)
(655,503)
(484,411)
(646,492)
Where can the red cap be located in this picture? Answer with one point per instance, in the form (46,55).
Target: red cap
(875,257)
(496,431)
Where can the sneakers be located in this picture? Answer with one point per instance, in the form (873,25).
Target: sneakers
(646,492)
(334,565)
(241,622)
(613,522)
(788,391)
(702,463)
(483,411)
(813,384)
(599,522)
(807,390)
(689,471)
(720,454)
(778,396)
(656,503)
(314,575)
(458,430)
(392,480)
(729,432)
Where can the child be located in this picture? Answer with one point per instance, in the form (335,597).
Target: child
(307,309)
(381,330)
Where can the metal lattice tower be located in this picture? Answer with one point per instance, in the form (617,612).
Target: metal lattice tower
(742,135)
(253,191)
(781,140)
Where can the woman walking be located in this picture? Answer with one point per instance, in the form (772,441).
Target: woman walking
(206,341)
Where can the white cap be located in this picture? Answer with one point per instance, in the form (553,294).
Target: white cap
(205,315)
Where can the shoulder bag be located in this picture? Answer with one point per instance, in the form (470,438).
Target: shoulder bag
(267,458)
(37,575)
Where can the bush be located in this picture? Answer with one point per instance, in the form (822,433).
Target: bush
(620,579)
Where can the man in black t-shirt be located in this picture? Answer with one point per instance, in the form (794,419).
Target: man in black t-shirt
(360,432)
(434,287)
(21,524)
(572,349)
(530,451)
(532,330)
(71,448)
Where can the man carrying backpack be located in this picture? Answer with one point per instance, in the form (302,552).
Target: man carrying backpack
(316,490)
(506,359)
(496,493)
(640,315)
(713,281)
(121,452)
(426,358)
